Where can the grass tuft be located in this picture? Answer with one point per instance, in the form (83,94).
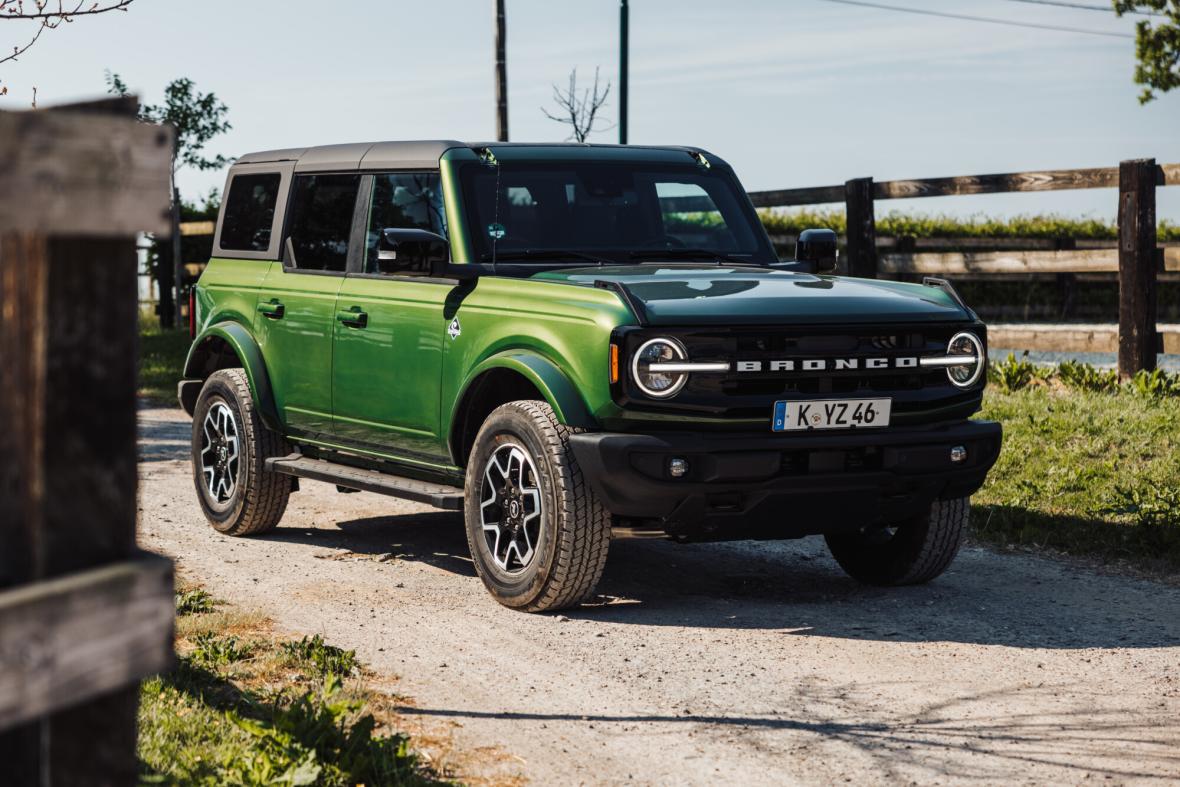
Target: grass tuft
(193,601)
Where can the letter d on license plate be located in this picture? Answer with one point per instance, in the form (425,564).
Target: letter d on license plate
(830,414)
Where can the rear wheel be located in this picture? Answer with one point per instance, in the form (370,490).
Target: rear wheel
(909,553)
(537,535)
(230,445)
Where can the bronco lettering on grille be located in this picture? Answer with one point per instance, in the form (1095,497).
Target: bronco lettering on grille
(827,364)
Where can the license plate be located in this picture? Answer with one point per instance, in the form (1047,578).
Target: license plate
(831,414)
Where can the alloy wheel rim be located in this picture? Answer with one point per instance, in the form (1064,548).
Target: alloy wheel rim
(220,452)
(510,508)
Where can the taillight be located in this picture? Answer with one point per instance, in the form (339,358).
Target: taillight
(192,312)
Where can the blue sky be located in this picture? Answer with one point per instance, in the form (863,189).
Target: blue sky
(791,92)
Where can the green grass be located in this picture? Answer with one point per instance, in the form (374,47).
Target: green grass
(891,224)
(161,360)
(239,710)
(1085,472)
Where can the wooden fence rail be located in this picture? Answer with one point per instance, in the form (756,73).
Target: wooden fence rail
(83,614)
(1135,257)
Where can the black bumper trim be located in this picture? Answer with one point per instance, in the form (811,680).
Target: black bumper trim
(820,482)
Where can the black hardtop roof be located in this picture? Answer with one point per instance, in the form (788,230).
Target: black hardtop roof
(420,154)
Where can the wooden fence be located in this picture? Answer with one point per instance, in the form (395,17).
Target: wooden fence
(84,615)
(1136,257)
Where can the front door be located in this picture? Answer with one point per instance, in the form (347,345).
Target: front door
(297,302)
(390,332)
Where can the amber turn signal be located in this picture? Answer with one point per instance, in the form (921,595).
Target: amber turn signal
(614,363)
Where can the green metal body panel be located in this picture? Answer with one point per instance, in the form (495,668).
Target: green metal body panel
(393,387)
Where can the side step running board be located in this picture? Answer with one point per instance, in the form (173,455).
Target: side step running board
(449,498)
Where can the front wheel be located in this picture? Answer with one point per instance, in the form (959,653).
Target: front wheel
(909,553)
(537,534)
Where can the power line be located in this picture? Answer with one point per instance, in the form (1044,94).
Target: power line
(988,19)
(1106,9)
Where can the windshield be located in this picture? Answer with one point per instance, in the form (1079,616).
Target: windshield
(609,212)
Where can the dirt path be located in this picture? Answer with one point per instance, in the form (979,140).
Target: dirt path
(714,664)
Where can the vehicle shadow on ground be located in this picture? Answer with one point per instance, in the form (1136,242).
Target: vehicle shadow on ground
(796,589)
(436,538)
(963,738)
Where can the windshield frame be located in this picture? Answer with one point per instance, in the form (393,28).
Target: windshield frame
(478,250)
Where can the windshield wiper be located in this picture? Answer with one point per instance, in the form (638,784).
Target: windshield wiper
(544,254)
(678,253)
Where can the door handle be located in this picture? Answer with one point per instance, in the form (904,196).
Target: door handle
(272,309)
(353,318)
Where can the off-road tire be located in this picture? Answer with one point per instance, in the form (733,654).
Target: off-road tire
(916,552)
(259,497)
(575,528)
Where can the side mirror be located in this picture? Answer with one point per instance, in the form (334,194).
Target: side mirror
(818,248)
(412,252)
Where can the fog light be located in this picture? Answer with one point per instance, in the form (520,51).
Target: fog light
(677,467)
(959,454)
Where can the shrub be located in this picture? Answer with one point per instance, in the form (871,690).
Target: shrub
(1085,377)
(1014,373)
(1154,384)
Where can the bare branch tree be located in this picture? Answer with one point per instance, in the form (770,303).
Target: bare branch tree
(579,111)
(49,15)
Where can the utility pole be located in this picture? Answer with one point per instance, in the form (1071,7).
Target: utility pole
(501,77)
(623,14)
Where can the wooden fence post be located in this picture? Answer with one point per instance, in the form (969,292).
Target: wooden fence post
(1138,339)
(80,187)
(862,228)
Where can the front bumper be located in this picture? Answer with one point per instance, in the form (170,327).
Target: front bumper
(777,485)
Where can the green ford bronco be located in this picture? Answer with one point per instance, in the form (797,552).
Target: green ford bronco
(570,342)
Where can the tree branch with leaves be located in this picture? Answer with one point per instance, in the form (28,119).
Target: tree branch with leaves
(1157,44)
(577,110)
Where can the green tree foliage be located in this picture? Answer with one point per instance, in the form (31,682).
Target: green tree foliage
(1157,44)
(197,117)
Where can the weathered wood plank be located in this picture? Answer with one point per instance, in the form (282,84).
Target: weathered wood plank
(813,195)
(64,641)
(81,173)
(1077,261)
(1043,180)
(1085,338)
(1046,180)
(862,228)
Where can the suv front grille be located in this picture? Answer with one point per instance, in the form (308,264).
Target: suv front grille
(752,393)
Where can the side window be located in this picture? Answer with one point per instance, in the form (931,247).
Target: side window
(404,201)
(249,212)
(320,220)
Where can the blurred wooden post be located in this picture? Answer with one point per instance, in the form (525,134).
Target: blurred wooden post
(1138,263)
(862,228)
(79,186)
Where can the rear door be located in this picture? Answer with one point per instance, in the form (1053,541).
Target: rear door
(297,302)
(388,356)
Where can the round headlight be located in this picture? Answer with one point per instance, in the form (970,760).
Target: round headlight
(966,374)
(646,372)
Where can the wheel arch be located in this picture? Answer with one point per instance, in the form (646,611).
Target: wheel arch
(229,345)
(506,377)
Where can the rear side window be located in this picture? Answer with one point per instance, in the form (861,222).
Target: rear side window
(249,212)
(320,221)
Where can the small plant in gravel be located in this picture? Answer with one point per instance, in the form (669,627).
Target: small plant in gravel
(211,650)
(194,601)
(321,658)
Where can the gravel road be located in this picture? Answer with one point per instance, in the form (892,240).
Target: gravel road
(737,663)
